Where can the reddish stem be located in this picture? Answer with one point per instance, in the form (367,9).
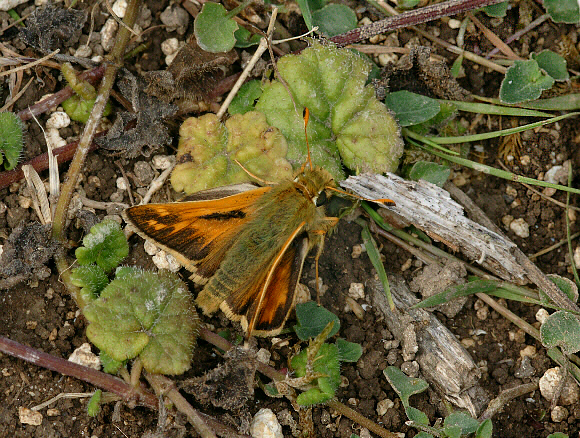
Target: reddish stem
(90,375)
(410,18)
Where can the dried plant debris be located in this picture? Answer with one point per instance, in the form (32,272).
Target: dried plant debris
(418,74)
(53,27)
(227,386)
(191,77)
(25,254)
(140,132)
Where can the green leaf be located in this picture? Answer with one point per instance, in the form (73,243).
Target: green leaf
(91,278)
(105,245)
(11,139)
(79,109)
(452,431)
(485,429)
(565,285)
(145,314)
(410,108)
(306,10)
(110,365)
(348,126)
(561,329)
(556,435)
(348,351)
(375,258)
(497,10)
(465,422)
(312,319)
(213,28)
(524,81)
(334,19)
(461,290)
(563,11)
(245,38)
(407,4)
(404,385)
(424,435)
(553,64)
(245,100)
(417,416)
(327,363)
(94,404)
(434,173)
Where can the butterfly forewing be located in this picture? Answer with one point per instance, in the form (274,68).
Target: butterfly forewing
(198,233)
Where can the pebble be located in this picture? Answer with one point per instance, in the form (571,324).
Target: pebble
(263,356)
(529,351)
(58,120)
(108,34)
(357,250)
(52,412)
(410,368)
(84,356)
(265,425)
(356,291)
(454,23)
(559,414)
(549,383)
(383,406)
(175,18)
(556,175)
(28,416)
(121,183)
(6,5)
(356,308)
(166,261)
(525,369)
(520,227)
(542,315)
(119,8)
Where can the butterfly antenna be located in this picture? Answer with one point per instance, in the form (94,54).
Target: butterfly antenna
(306,117)
(381,201)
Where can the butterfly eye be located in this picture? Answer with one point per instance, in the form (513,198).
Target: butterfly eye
(321,199)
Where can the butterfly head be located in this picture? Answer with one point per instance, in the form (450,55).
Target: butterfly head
(315,182)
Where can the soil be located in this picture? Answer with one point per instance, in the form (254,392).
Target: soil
(42,315)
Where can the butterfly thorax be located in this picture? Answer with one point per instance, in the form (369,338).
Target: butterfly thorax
(313,182)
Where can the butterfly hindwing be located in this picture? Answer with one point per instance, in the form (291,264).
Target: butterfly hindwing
(199,231)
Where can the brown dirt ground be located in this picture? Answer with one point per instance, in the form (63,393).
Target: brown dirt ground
(45,318)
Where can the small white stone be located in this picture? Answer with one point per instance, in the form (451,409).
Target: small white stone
(120,7)
(58,120)
(356,308)
(121,183)
(174,265)
(265,425)
(83,51)
(525,160)
(170,46)
(108,34)
(577,256)
(550,382)
(387,58)
(511,191)
(263,356)
(356,291)
(6,5)
(559,414)
(28,416)
(520,227)
(556,175)
(453,23)
(150,248)
(84,356)
(542,315)
(383,406)
(365,21)
(52,412)
(529,351)
(53,137)
(165,261)
(162,162)
(357,250)
(24,202)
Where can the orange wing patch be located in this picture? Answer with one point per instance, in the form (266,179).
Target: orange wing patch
(197,233)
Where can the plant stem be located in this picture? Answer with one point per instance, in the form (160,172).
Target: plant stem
(422,15)
(238,9)
(86,374)
(114,60)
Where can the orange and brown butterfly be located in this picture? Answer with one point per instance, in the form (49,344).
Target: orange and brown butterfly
(245,243)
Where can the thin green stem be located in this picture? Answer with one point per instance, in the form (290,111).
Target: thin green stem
(568,236)
(114,61)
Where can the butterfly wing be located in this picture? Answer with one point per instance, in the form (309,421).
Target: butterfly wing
(263,306)
(199,231)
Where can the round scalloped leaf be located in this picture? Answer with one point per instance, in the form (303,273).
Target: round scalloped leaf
(561,329)
(214,29)
(105,245)
(207,150)
(147,314)
(524,81)
(346,122)
(91,278)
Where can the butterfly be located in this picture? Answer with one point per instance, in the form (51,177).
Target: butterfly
(246,243)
